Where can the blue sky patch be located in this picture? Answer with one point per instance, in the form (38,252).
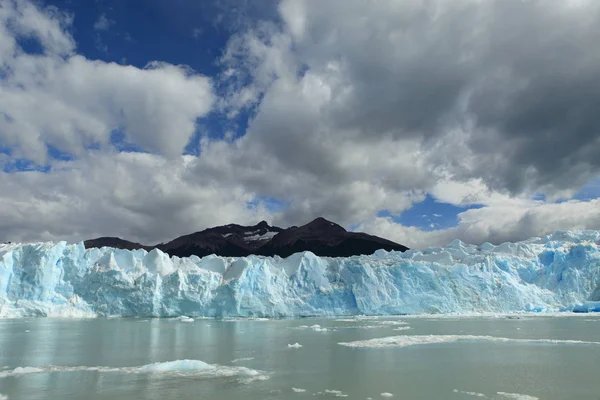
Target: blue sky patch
(429,215)
(272,204)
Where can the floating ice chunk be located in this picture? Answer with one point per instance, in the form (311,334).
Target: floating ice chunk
(26,370)
(403,328)
(315,328)
(239,360)
(177,367)
(184,318)
(517,396)
(297,390)
(336,393)
(295,345)
(386,394)
(406,341)
(475,394)
(318,328)
(393,323)
(3,397)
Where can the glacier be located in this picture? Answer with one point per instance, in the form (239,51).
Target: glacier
(557,272)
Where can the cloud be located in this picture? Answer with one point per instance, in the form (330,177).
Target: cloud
(354,107)
(138,196)
(496,224)
(197,33)
(64,100)
(414,97)
(103,23)
(508,85)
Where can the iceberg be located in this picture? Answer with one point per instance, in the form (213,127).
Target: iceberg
(558,272)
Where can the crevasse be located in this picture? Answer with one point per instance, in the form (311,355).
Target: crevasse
(559,272)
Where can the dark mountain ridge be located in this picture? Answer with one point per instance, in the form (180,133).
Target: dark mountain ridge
(320,236)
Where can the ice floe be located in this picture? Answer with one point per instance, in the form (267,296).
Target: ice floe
(409,340)
(517,396)
(178,367)
(474,394)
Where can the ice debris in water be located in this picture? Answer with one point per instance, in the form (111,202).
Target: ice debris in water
(239,360)
(336,393)
(392,323)
(517,396)
(386,394)
(475,394)
(3,397)
(403,328)
(295,345)
(558,272)
(406,341)
(297,390)
(178,367)
(315,328)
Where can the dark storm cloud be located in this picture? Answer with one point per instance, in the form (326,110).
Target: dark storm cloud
(521,76)
(539,92)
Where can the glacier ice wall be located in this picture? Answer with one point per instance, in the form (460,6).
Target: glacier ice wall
(557,272)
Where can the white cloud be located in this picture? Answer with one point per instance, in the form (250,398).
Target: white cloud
(25,19)
(496,224)
(103,23)
(138,196)
(67,101)
(355,108)
(197,32)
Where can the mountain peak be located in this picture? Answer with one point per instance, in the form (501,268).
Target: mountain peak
(320,236)
(262,225)
(321,223)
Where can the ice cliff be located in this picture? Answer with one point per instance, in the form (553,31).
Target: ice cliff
(559,272)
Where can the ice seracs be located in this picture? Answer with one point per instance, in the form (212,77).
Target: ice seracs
(559,272)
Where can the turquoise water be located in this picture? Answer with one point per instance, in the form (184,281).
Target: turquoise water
(253,360)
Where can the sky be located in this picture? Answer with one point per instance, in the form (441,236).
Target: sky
(422,121)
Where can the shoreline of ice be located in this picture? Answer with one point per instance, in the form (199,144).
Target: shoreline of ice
(557,273)
(510,315)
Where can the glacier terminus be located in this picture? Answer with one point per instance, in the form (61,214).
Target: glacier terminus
(558,272)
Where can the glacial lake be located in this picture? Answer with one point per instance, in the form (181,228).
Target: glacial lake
(494,357)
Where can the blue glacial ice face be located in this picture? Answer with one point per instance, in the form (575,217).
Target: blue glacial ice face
(559,272)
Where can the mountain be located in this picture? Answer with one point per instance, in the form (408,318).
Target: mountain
(229,240)
(114,242)
(325,238)
(322,237)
